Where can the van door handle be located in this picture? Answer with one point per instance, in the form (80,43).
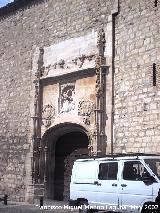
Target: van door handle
(114,184)
(123,185)
(96,183)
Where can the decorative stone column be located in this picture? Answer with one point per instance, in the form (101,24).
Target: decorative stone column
(37,120)
(100,91)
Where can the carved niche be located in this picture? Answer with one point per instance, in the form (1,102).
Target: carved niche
(48,114)
(85,109)
(67,98)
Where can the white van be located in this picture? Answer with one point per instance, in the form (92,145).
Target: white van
(116,183)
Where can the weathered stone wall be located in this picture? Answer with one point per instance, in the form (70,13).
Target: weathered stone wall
(21,33)
(137,108)
(137,47)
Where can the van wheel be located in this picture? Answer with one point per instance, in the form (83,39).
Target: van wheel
(83,204)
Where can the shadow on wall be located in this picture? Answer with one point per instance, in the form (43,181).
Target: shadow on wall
(68,148)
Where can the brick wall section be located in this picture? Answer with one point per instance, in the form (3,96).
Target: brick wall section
(20,33)
(137,101)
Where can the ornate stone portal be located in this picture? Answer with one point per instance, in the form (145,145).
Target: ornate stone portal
(65,97)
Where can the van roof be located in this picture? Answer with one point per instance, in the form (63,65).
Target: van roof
(119,156)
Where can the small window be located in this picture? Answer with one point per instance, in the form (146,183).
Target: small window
(154,74)
(108,171)
(81,170)
(155,3)
(134,171)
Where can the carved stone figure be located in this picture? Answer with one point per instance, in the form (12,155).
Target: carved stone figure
(48,114)
(67,98)
(61,63)
(85,109)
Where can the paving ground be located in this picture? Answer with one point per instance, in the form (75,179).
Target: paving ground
(49,206)
(30,209)
(56,207)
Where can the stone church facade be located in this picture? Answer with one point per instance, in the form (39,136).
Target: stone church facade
(78,77)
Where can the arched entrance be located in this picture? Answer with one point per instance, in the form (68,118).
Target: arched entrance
(65,144)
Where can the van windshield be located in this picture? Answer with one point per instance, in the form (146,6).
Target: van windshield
(154,164)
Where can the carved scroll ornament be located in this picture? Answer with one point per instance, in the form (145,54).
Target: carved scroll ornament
(48,114)
(78,61)
(85,109)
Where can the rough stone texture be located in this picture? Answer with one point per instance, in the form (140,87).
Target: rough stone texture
(48,23)
(21,32)
(137,108)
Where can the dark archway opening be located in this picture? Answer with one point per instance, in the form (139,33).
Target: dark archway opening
(67,149)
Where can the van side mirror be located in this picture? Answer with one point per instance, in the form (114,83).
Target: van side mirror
(147,178)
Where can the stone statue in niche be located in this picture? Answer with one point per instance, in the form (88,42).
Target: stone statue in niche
(48,113)
(85,109)
(67,98)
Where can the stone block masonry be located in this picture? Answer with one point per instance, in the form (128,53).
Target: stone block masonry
(25,28)
(137,109)
(22,30)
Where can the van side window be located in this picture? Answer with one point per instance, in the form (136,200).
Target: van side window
(133,170)
(108,171)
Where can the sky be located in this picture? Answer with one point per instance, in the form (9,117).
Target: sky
(4,2)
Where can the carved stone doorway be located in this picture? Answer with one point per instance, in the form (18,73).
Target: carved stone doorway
(62,153)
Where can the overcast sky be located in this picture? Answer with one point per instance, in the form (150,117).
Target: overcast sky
(4,2)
